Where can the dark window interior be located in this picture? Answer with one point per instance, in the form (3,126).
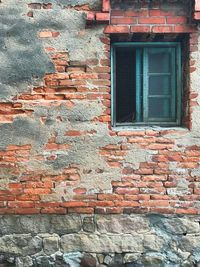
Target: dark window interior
(125,85)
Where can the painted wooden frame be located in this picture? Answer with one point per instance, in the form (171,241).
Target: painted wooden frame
(176,95)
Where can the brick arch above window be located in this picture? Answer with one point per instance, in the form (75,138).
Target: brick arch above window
(104,16)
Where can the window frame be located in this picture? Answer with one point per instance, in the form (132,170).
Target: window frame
(178,71)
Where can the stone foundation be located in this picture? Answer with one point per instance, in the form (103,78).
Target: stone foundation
(109,240)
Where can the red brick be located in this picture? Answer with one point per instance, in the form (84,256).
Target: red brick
(105,5)
(128,191)
(6,211)
(15,185)
(102,16)
(26,197)
(162,29)
(184,28)
(21,204)
(90,16)
(159,12)
(18,147)
(102,69)
(45,34)
(155,203)
(190,211)
(160,197)
(131,133)
(160,146)
(151,20)
(116,12)
(116,29)
(197,15)
(37,191)
(81,210)
(123,20)
(109,197)
(177,20)
(154,178)
(27,211)
(70,204)
(83,76)
(56,210)
(127,203)
(140,29)
(80,190)
(100,203)
(144,171)
(136,13)
(188,165)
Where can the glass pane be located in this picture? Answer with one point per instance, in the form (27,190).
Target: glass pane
(159,107)
(159,61)
(125,86)
(159,85)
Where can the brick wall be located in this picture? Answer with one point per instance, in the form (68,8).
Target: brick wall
(58,151)
(146,17)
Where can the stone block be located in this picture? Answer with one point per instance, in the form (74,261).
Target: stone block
(51,244)
(65,224)
(103,243)
(88,224)
(122,224)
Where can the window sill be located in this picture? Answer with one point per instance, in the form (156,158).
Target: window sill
(154,128)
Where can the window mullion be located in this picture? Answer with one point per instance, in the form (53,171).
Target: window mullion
(113,86)
(173,84)
(145,85)
(138,85)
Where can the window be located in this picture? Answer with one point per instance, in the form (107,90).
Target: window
(146,84)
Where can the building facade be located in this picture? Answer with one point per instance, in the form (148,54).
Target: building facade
(100,133)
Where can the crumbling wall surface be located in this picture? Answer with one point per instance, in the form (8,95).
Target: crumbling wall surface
(58,151)
(100,240)
(60,155)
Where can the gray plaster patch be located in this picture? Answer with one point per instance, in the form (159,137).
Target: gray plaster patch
(22,57)
(92,3)
(84,151)
(181,188)
(71,25)
(23,131)
(23,60)
(137,155)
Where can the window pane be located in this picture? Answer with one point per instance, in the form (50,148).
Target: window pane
(159,107)
(159,62)
(159,85)
(125,86)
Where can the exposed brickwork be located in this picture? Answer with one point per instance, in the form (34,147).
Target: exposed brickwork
(81,164)
(154,19)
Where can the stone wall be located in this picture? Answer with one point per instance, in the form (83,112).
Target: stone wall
(58,150)
(90,241)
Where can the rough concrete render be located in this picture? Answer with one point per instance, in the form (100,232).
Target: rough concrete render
(75,191)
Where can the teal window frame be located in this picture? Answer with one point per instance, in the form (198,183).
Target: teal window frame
(176,83)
